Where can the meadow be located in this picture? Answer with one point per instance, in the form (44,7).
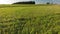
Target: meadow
(29,19)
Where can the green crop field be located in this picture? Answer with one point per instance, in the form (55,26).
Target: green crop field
(29,19)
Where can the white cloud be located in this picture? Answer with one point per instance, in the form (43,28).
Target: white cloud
(10,1)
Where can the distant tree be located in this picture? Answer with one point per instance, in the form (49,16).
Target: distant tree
(48,3)
(27,2)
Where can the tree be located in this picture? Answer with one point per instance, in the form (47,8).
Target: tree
(27,2)
(48,3)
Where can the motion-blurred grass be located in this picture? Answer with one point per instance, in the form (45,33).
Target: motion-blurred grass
(29,19)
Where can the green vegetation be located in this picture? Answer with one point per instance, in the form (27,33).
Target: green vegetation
(29,19)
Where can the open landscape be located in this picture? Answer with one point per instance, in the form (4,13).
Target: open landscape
(29,19)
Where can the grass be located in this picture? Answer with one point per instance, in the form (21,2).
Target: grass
(29,19)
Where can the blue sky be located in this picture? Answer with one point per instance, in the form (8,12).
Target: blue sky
(37,1)
(45,1)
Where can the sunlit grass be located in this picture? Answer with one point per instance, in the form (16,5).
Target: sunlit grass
(30,19)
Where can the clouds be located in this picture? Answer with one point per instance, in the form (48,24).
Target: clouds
(10,1)
(37,1)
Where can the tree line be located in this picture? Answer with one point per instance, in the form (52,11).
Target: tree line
(27,2)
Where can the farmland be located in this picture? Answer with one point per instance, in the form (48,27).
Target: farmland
(29,19)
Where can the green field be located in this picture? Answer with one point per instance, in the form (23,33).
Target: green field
(29,19)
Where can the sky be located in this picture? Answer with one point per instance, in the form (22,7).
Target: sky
(10,1)
(37,1)
(45,1)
